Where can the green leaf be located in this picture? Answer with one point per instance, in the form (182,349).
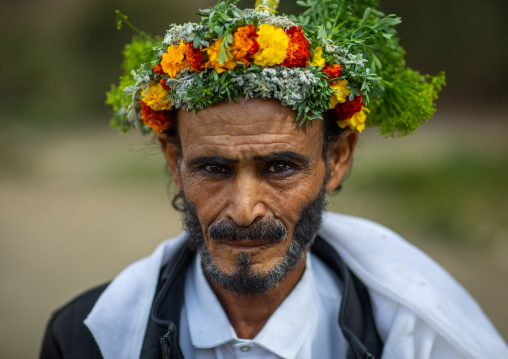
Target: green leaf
(366,15)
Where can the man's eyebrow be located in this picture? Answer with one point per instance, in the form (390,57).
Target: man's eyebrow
(216,160)
(281,156)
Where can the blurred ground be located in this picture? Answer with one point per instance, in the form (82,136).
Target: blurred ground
(78,206)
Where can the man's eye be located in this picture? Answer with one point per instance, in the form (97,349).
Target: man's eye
(279,168)
(215,169)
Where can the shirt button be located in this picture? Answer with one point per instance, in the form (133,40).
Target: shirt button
(245,348)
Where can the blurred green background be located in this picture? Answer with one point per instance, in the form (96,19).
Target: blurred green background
(79,202)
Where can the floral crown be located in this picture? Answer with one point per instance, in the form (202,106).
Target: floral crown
(338,55)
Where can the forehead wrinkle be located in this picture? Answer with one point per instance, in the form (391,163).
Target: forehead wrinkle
(261,138)
(245,150)
(239,122)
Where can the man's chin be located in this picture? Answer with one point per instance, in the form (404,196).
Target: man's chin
(245,278)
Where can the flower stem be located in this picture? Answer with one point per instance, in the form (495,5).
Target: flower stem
(121,18)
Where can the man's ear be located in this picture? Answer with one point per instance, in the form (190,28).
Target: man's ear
(339,157)
(172,155)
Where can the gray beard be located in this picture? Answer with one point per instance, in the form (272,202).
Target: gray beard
(244,281)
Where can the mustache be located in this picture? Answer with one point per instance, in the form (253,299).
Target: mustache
(270,230)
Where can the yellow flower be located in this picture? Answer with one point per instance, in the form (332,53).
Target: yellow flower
(318,60)
(213,52)
(173,61)
(340,94)
(156,97)
(273,44)
(357,121)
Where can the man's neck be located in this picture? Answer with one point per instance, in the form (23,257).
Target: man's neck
(248,314)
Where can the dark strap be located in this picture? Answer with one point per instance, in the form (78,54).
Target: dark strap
(161,337)
(356,319)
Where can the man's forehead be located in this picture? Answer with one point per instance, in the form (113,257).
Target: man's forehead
(246,129)
(250,116)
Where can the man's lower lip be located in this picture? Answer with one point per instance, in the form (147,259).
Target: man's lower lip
(243,245)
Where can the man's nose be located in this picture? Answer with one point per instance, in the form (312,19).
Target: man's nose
(245,204)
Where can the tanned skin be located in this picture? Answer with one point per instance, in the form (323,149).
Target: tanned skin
(246,161)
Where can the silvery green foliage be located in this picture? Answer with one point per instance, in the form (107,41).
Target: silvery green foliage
(184,33)
(142,75)
(132,114)
(266,17)
(350,59)
(289,85)
(180,85)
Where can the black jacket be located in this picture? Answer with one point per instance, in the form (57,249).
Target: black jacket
(68,337)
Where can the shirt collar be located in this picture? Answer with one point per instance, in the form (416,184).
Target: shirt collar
(283,334)
(208,323)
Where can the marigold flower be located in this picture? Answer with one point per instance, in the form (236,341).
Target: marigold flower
(318,59)
(273,44)
(158,121)
(164,86)
(349,108)
(298,48)
(156,97)
(340,94)
(158,70)
(173,60)
(213,52)
(356,122)
(333,72)
(194,57)
(244,43)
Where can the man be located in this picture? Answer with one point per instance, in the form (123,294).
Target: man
(260,271)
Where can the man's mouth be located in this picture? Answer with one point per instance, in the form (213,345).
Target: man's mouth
(246,244)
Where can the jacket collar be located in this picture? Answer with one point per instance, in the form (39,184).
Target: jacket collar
(118,320)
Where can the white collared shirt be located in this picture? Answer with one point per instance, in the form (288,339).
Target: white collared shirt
(305,325)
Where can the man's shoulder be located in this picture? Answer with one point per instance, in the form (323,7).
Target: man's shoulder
(66,334)
(80,305)
(406,283)
(358,226)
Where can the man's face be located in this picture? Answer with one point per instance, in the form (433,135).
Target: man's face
(246,164)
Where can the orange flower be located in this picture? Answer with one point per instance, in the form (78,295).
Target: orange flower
(158,70)
(213,52)
(194,57)
(173,60)
(333,72)
(298,49)
(244,44)
(158,121)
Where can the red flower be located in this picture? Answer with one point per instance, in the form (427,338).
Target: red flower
(333,72)
(158,70)
(194,57)
(159,121)
(164,86)
(298,48)
(349,108)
